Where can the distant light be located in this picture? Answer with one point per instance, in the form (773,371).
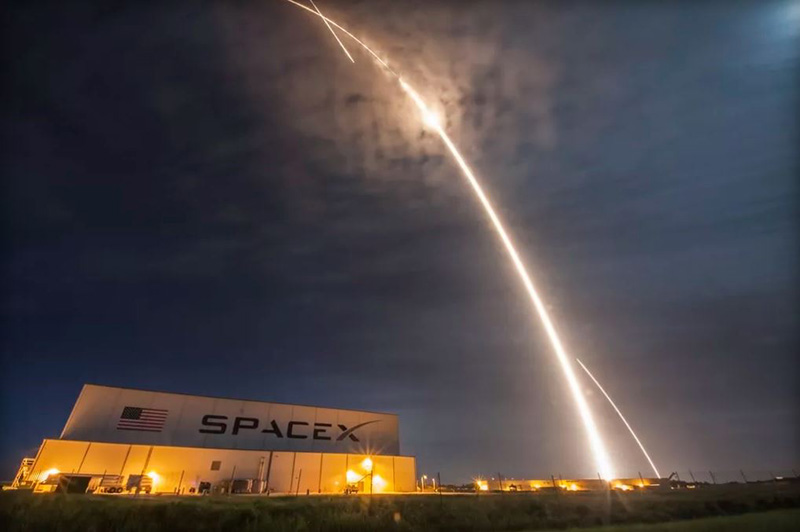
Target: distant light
(49,472)
(431,120)
(378,484)
(352,476)
(155,477)
(366,465)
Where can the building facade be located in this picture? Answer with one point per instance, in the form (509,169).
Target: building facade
(120,440)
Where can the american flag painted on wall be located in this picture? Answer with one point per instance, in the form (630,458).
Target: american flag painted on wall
(142,419)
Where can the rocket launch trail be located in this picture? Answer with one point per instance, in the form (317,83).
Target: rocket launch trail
(602,461)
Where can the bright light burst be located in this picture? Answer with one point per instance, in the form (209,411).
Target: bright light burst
(46,474)
(366,465)
(597,446)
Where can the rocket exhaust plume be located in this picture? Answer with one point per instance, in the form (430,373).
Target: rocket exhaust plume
(655,470)
(325,20)
(596,444)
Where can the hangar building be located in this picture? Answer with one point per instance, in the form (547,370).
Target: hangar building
(120,440)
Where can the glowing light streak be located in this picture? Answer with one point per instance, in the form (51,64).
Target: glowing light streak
(630,429)
(356,39)
(602,461)
(325,20)
(596,443)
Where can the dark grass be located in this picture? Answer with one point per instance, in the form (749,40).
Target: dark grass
(773,521)
(519,511)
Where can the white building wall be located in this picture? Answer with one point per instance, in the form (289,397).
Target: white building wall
(96,417)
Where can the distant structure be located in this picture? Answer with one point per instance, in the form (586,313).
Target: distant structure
(120,440)
(580,484)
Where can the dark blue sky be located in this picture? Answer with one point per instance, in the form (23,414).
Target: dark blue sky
(210,198)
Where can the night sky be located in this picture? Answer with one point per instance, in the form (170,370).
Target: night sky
(209,198)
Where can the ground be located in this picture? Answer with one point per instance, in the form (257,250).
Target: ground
(774,521)
(731,507)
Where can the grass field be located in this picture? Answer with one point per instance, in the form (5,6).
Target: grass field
(774,521)
(520,511)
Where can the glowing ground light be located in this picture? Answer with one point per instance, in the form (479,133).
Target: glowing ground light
(366,464)
(596,444)
(378,483)
(47,474)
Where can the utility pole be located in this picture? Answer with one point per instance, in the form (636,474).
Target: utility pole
(230,485)
(144,468)
(441,501)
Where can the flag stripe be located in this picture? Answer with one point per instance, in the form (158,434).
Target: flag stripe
(142,419)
